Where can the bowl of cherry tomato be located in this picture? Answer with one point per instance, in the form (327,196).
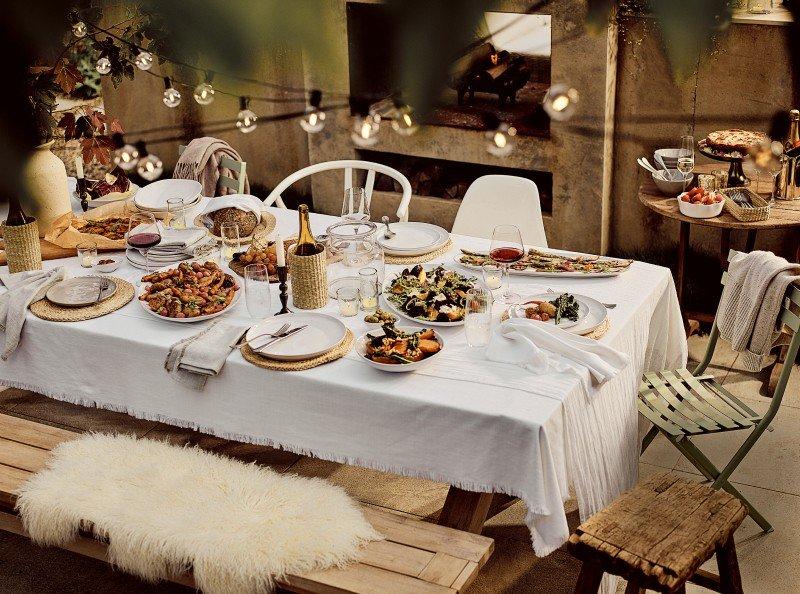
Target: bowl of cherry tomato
(700,203)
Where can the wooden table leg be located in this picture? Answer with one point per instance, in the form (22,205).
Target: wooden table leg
(729,576)
(750,244)
(724,248)
(465,510)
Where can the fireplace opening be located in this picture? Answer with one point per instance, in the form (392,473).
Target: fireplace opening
(449,180)
(505,74)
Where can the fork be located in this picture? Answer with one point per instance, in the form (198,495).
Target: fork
(103,285)
(275,334)
(388,234)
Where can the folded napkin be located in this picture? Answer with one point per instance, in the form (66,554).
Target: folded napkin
(23,289)
(193,360)
(244,202)
(180,239)
(542,348)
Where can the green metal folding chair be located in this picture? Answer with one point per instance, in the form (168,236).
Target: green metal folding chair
(681,405)
(240,167)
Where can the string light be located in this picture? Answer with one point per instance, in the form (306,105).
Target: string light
(366,122)
(172,97)
(126,156)
(204,92)
(103,65)
(499,137)
(149,167)
(560,102)
(144,60)
(79,29)
(403,122)
(246,120)
(314,119)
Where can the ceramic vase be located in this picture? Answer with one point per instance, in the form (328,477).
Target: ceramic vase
(45,176)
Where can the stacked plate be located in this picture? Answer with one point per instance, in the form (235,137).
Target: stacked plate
(176,245)
(320,334)
(412,239)
(153,197)
(81,291)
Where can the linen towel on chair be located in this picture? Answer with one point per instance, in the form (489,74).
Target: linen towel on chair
(200,162)
(23,289)
(193,360)
(750,304)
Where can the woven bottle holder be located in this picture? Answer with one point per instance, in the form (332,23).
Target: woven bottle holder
(23,250)
(309,279)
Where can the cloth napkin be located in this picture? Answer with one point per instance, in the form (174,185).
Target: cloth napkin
(200,162)
(244,202)
(193,360)
(750,304)
(24,288)
(179,239)
(541,348)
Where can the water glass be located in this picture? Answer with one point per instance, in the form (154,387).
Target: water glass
(355,206)
(348,301)
(230,241)
(368,288)
(478,317)
(257,292)
(177,212)
(87,254)
(492,276)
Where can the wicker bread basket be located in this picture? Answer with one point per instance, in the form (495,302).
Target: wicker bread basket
(759,212)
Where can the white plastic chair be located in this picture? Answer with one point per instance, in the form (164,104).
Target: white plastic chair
(348,165)
(494,200)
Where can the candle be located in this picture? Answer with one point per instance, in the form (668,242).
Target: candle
(87,261)
(348,308)
(280,254)
(79,167)
(369,303)
(493,281)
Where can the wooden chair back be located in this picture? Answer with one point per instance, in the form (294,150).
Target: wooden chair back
(348,165)
(234,183)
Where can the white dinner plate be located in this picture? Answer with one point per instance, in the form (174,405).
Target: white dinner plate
(80,291)
(185,320)
(565,274)
(412,239)
(361,349)
(322,334)
(596,315)
(154,196)
(583,309)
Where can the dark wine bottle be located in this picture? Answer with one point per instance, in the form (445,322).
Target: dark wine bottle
(16,216)
(306,244)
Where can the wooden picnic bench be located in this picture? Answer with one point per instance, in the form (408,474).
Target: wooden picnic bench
(416,556)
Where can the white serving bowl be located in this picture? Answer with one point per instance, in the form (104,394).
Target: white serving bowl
(700,211)
(106,268)
(361,349)
(670,156)
(669,187)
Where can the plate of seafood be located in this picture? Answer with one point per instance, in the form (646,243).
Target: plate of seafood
(190,292)
(435,297)
(537,262)
(399,349)
(564,310)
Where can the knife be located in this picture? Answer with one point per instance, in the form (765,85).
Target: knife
(287,334)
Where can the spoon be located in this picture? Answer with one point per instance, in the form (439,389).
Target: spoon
(645,164)
(388,234)
(668,173)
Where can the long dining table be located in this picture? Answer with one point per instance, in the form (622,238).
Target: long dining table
(491,430)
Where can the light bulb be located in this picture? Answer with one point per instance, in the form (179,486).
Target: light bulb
(560,102)
(313,121)
(144,60)
(150,167)
(365,130)
(404,122)
(246,120)
(204,93)
(126,157)
(172,97)
(79,29)
(103,65)
(500,141)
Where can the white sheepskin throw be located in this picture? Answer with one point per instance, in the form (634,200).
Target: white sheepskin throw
(166,509)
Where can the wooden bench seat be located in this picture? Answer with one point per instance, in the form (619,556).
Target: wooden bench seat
(416,556)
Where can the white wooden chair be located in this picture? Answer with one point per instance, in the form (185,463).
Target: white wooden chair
(348,166)
(494,200)
(240,167)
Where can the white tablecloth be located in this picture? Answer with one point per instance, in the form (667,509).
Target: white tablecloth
(465,421)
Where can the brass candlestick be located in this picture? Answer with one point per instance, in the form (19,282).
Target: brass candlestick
(283,274)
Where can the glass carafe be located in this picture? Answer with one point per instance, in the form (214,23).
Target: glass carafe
(351,247)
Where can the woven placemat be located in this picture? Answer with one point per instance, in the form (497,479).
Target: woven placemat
(597,333)
(56,313)
(337,352)
(420,259)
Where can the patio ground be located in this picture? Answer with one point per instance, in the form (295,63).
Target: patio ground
(769,477)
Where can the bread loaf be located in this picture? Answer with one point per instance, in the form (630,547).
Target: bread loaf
(246,220)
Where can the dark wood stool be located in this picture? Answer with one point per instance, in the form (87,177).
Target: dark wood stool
(657,536)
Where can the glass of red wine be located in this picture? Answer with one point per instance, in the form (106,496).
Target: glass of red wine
(143,233)
(506,248)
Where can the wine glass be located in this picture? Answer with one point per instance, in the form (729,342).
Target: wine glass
(230,241)
(355,206)
(257,293)
(478,316)
(143,233)
(507,248)
(686,157)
